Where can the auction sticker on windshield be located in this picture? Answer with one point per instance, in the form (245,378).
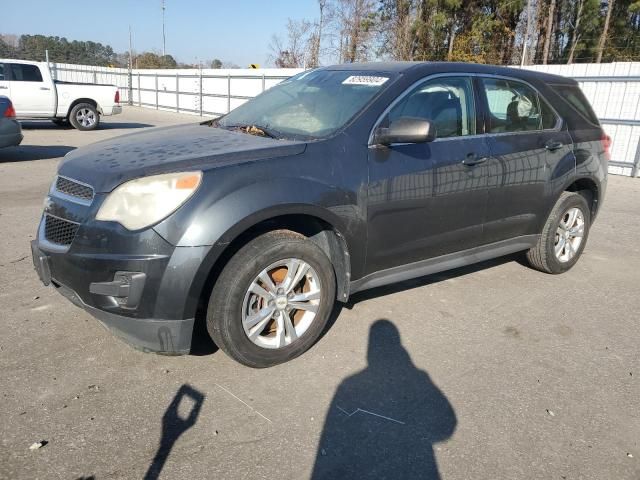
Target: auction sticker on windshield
(365,80)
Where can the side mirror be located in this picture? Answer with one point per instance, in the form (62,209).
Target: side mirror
(406,130)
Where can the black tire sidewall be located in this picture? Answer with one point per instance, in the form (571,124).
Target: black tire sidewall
(224,317)
(74,122)
(574,200)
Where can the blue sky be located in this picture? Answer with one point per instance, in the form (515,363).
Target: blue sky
(231,30)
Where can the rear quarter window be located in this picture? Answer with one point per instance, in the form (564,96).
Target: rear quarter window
(574,97)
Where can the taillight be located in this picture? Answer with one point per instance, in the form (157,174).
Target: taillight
(10,112)
(606,145)
(117,97)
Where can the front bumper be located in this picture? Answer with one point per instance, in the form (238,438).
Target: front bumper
(147,296)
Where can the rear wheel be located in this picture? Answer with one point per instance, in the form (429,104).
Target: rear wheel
(564,235)
(272,300)
(84,116)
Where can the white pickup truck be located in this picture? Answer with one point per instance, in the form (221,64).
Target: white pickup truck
(35,94)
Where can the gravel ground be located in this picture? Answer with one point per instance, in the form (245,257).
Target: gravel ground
(492,371)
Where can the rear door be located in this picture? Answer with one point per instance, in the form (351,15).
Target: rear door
(31,96)
(529,150)
(423,201)
(4,81)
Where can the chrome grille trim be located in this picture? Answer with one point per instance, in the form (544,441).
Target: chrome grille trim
(74,188)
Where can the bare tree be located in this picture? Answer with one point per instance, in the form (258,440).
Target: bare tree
(605,31)
(355,19)
(548,32)
(316,37)
(576,31)
(293,53)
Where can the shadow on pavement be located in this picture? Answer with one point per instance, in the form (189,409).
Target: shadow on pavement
(384,420)
(25,153)
(174,425)
(104,125)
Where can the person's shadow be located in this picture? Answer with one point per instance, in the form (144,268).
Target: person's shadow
(384,420)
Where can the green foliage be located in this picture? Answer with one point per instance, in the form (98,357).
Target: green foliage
(33,47)
(153,60)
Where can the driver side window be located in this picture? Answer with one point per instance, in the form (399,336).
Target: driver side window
(446,102)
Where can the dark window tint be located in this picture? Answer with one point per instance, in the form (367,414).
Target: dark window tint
(25,73)
(549,117)
(513,106)
(446,102)
(2,72)
(575,97)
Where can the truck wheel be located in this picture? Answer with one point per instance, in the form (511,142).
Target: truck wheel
(564,236)
(84,116)
(272,300)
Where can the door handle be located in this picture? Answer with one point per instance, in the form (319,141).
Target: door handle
(473,159)
(553,145)
(45,88)
(4,88)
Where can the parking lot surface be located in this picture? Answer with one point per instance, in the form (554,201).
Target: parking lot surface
(491,371)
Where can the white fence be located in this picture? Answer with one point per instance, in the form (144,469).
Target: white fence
(612,88)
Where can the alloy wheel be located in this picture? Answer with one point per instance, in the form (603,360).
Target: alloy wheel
(281,303)
(569,234)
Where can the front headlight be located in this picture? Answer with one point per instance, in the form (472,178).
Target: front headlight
(142,202)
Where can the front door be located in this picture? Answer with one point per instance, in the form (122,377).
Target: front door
(31,96)
(428,199)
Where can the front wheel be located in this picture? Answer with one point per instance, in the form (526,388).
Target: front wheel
(272,300)
(564,236)
(84,116)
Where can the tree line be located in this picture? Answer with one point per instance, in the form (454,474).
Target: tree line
(61,50)
(485,31)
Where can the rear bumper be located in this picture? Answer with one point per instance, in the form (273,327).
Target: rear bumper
(10,133)
(117,109)
(11,140)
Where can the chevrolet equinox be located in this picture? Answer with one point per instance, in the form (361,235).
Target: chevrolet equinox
(334,181)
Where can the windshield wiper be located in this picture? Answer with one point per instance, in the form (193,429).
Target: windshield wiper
(252,129)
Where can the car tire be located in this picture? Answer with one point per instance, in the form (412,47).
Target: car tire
(84,116)
(251,327)
(564,235)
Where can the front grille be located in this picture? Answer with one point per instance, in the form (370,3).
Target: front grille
(75,189)
(59,231)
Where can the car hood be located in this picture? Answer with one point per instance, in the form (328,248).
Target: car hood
(107,164)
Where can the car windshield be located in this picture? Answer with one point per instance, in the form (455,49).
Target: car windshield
(309,105)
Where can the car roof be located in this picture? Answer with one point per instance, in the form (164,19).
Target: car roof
(428,68)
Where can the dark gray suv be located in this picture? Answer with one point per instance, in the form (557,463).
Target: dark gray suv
(337,180)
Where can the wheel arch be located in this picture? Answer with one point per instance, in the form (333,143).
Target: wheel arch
(312,225)
(588,188)
(83,100)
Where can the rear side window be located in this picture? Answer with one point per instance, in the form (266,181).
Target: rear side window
(446,102)
(513,106)
(25,73)
(574,96)
(2,72)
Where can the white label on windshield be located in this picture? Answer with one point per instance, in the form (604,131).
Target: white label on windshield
(365,80)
